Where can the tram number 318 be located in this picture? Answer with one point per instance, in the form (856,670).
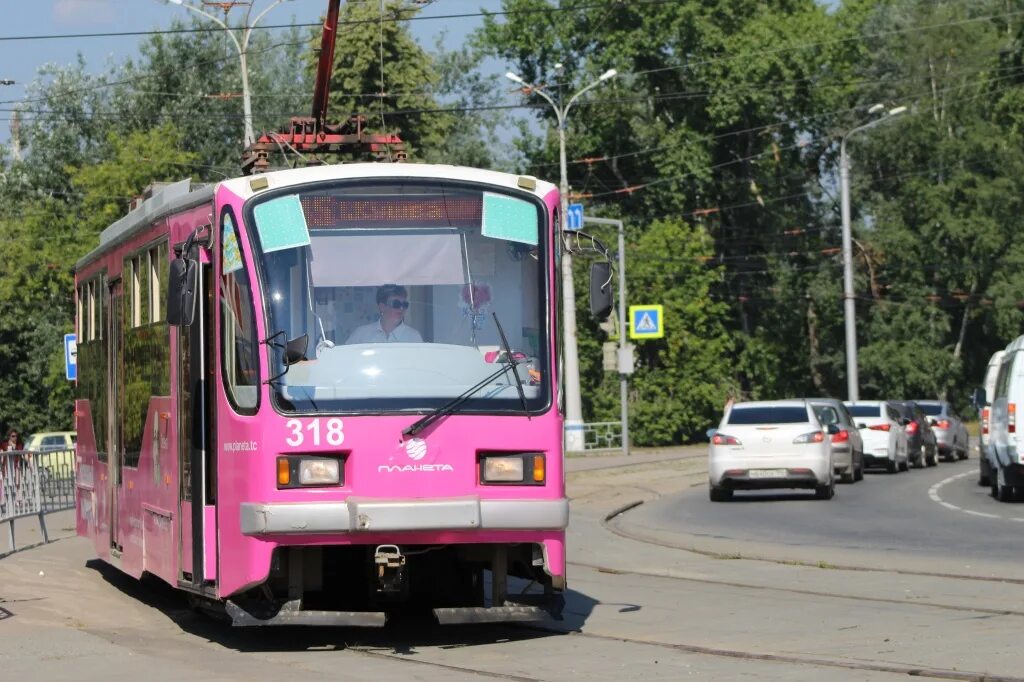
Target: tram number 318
(329,431)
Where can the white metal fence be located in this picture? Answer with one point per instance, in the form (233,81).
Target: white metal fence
(35,484)
(602,436)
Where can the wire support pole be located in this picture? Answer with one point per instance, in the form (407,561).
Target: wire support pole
(574,435)
(242,48)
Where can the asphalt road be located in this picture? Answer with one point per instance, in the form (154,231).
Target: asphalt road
(937,515)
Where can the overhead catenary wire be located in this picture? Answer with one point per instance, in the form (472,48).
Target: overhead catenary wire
(711,60)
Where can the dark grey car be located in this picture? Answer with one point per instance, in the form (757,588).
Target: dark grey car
(921,448)
(950,432)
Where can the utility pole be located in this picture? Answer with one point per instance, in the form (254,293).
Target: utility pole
(241,46)
(849,301)
(16,135)
(571,367)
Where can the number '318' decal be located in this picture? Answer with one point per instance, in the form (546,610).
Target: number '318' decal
(329,432)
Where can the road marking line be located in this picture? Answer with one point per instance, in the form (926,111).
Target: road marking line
(977,513)
(933,493)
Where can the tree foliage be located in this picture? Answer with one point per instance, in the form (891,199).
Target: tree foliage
(717,144)
(382,73)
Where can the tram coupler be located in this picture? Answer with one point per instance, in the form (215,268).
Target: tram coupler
(390,565)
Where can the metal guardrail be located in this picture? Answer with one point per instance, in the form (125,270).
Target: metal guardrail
(602,436)
(35,484)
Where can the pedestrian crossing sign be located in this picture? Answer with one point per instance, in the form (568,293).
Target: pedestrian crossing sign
(646,322)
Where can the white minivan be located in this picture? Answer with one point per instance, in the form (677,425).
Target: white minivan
(984,406)
(1007,463)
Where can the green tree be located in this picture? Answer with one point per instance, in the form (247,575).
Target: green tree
(193,80)
(682,380)
(939,192)
(132,163)
(381,73)
(709,120)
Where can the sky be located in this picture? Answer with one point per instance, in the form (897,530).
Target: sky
(23,51)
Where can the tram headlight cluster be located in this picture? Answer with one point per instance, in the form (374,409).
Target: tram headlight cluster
(301,471)
(527,468)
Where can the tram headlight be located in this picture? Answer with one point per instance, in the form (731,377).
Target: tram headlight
(523,468)
(298,471)
(319,471)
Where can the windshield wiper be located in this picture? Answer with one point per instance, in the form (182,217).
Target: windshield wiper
(512,361)
(451,405)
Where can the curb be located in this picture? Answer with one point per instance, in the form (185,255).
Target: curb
(622,509)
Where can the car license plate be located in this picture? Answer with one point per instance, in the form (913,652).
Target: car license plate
(767,473)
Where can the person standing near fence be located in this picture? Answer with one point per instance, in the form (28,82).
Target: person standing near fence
(13,442)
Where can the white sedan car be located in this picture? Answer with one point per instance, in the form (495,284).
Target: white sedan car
(770,444)
(885,440)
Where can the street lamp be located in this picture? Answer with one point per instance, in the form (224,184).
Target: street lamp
(6,81)
(241,46)
(573,404)
(849,304)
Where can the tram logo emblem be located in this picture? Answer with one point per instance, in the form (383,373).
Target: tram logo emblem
(416,449)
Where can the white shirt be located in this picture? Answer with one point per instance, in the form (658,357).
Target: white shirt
(374,333)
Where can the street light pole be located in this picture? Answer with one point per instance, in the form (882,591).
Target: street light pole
(849,302)
(573,403)
(242,47)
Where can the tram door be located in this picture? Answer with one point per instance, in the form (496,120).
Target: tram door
(195,390)
(115,378)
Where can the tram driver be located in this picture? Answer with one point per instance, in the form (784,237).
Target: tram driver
(392,302)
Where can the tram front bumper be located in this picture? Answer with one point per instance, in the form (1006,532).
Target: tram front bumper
(356,515)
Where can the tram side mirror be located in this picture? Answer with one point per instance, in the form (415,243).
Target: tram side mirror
(295,349)
(600,290)
(183,282)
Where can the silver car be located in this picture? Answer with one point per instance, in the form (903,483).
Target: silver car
(847,443)
(950,433)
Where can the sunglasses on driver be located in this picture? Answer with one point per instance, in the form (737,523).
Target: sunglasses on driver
(398,304)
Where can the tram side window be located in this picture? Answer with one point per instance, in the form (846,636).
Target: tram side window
(238,325)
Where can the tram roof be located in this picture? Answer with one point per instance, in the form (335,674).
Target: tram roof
(185,194)
(352,171)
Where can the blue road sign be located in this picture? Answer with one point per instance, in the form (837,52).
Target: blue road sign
(574,217)
(646,322)
(70,357)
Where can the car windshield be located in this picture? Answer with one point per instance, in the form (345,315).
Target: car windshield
(400,288)
(931,409)
(780,414)
(865,410)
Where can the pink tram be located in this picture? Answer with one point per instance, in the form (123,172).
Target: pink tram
(318,396)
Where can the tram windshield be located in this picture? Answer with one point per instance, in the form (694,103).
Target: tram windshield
(400,288)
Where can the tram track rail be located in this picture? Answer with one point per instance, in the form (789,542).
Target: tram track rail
(815,661)
(791,659)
